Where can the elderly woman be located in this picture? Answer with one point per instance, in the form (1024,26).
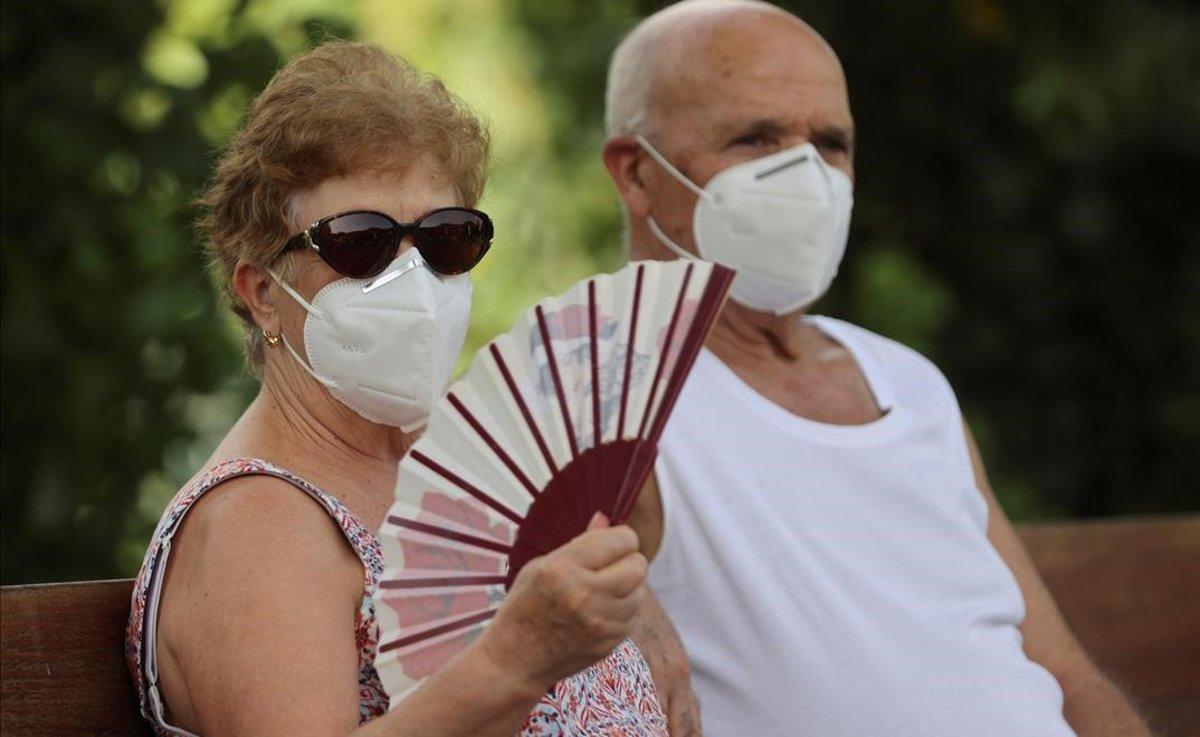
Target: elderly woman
(253,612)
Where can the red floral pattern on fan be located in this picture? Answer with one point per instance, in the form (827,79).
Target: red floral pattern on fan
(572,321)
(687,313)
(414,610)
(571,327)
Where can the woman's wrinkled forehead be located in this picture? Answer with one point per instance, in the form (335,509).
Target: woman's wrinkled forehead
(404,195)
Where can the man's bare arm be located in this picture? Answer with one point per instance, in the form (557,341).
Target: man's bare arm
(1092,705)
(655,635)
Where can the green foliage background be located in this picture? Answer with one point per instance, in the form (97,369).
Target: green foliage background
(1026,215)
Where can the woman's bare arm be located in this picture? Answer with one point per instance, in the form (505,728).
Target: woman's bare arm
(257,630)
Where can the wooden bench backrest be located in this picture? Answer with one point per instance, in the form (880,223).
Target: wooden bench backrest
(64,660)
(1129,588)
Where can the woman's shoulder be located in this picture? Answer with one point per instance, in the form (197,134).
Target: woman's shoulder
(255,513)
(265,523)
(249,491)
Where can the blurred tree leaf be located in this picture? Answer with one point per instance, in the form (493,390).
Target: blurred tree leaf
(110,116)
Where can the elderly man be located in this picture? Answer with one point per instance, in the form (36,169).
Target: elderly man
(822,530)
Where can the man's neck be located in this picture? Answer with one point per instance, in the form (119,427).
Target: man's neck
(795,365)
(745,339)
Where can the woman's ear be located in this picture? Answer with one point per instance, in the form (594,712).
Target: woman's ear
(253,286)
(623,158)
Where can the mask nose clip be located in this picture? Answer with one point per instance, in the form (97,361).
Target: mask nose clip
(394,274)
(780,167)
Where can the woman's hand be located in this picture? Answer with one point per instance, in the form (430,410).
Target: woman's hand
(569,608)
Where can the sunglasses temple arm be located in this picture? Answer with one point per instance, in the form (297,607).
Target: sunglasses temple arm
(299,242)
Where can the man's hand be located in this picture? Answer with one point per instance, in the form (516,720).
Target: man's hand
(656,637)
(652,630)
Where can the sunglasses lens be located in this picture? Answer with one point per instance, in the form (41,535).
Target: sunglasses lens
(454,239)
(358,244)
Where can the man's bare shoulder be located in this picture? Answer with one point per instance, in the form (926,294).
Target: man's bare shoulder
(910,371)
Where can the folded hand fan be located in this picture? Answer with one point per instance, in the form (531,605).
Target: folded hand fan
(554,421)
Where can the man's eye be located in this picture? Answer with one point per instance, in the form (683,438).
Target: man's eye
(834,145)
(751,139)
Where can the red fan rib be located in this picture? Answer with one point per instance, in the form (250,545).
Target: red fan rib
(637,302)
(500,453)
(598,479)
(595,363)
(521,405)
(487,438)
(711,302)
(640,463)
(465,485)
(440,582)
(666,349)
(558,389)
(442,532)
(439,630)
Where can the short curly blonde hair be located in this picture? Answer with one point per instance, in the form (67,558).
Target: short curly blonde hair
(338,109)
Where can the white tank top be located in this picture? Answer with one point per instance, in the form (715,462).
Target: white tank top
(837,580)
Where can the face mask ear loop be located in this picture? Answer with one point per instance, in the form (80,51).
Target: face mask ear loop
(662,161)
(312,311)
(413,426)
(320,379)
(295,295)
(670,244)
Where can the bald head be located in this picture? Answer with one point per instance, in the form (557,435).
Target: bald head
(685,46)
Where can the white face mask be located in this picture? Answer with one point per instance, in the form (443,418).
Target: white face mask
(385,347)
(781,221)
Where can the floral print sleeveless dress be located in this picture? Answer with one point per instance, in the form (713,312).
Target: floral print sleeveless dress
(613,698)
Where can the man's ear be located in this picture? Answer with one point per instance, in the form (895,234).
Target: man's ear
(253,286)
(623,158)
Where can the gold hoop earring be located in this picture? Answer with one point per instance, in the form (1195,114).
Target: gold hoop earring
(271,338)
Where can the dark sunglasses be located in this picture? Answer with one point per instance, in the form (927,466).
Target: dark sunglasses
(361,243)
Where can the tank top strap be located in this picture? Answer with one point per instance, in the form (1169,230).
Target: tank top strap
(141,636)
